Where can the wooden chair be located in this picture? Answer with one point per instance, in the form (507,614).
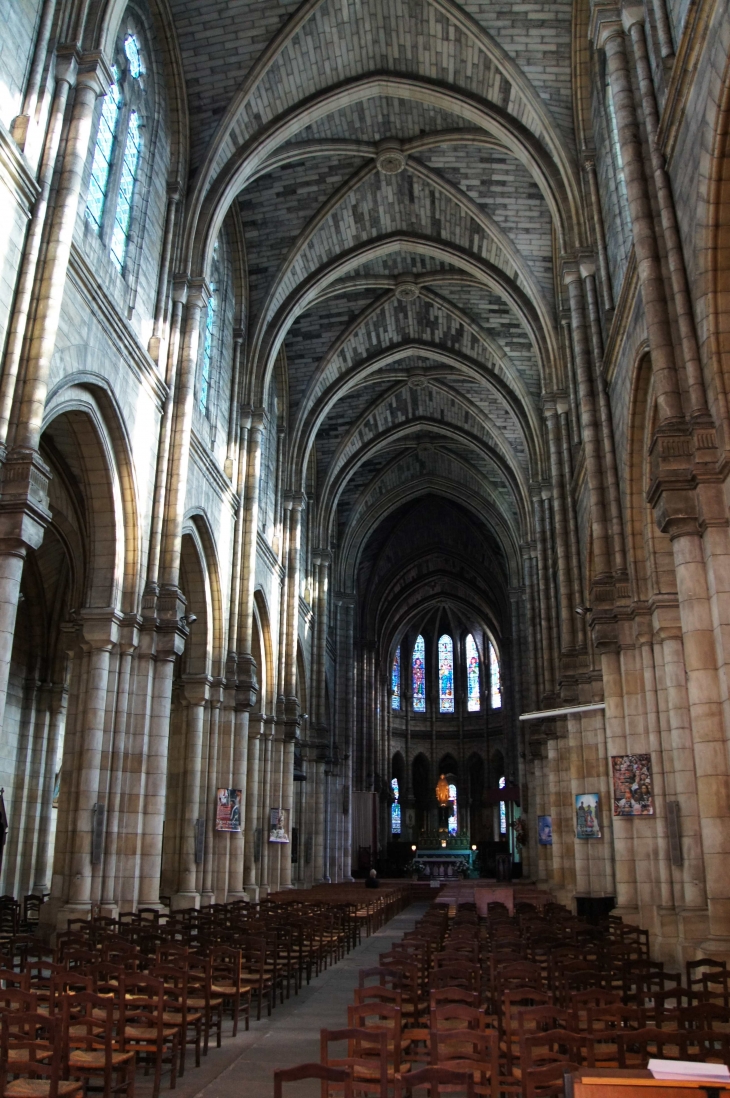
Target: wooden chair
(471,1051)
(636,1047)
(381,1016)
(696,970)
(582,1001)
(435,1078)
(366,1059)
(201,997)
(31,1049)
(328,1075)
(142,1019)
(225,968)
(93,1044)
(178,1011)
(547,1081)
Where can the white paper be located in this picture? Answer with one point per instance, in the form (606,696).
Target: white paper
(689,1069)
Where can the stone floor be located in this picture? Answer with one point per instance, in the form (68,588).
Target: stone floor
(243,1067)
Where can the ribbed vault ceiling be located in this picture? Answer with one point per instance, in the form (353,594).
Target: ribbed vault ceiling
(402,175)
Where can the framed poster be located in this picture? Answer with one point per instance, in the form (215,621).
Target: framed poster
(587,824)
(228,810)
(279,825)
(545,830)
(633,792)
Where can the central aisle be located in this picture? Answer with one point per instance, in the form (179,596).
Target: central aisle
(244,1066)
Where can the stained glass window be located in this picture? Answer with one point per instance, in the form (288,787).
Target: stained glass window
(419,675)
(473,699)
(133,55)
(395,680)
(502,810)
(495,681)
(123,212)
(395,808)
(446,674)
(207,354)
(102,162)
(453,818)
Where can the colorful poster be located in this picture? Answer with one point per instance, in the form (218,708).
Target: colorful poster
(545,830)
(633,792)
(279,825)
(587,824)
(228,810)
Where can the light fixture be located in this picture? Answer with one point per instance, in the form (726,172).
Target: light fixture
(583,611)
(473,846)
(414,848)
(443,842)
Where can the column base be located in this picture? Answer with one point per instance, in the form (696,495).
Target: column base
(71,911)
(325,881)
(252,893)
(239,894)
(183,901)
(207,899)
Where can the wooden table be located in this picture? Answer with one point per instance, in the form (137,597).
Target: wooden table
(615,1083)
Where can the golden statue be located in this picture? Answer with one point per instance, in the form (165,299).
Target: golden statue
(442,791)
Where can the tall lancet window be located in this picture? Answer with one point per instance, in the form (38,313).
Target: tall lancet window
(418,675)
(395,680)
(446,674)
(495,679)
(473,699)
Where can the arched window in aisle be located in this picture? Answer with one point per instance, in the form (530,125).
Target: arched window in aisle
(395,680)
(395,808)
(473,698)
(446,674)
(502,809)
(495,679)
(418,673)
(209,335)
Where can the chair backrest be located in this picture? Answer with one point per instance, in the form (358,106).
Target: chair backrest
(581,1001)
(459,1016)
(547,1081)
(613,1017)
(434,1078)
(460,1049)
(441,995)
(703,1016)
(14,1000)
(39,1038)
(640,1039)
(341,1076)
(376,993)
(695,969)
(553,1044)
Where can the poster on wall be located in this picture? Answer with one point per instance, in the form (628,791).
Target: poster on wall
(633,792)
(279,825)
(228,810)
(587,825)
(545,830)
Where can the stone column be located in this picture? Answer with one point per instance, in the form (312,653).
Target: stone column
(634,18)
(57,718)
(587,270)
(599,232)
(92,80)
(287,803)
(561,531)
(607,33)
(115,832)
(196,695)
(100,633)
(266,803)
(545,623)
(173,197)
(591,438)
(253,783)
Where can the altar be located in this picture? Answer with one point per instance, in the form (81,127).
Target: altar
(444,865)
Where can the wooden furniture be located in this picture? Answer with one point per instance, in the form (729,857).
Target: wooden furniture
(613,1083)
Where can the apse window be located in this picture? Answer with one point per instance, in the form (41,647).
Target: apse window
(395,681)
(446,674)
(395,808)
(453,818)
(209,333)
(502,809)
(473,697)
(495,680)
(117,153)
(418,675)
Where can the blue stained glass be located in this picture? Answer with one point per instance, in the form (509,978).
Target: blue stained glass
(453,818)
(134,57)
(395,680)
(101,164)
(419,676)
(207,354)
(446,674)
(395,819)
(502,807)
(473,700)
(123,212)
(495,681)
